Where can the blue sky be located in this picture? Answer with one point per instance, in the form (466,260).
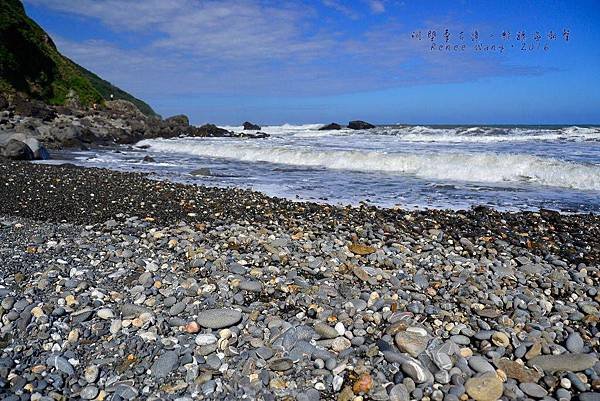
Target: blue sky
(227,61)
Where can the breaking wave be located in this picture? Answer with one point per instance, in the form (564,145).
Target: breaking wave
(467,167)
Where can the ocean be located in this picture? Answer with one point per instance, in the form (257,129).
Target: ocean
(449,167)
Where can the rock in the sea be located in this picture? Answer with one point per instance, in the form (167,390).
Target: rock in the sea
(219,318)
(255,135)
(563,362)
(211,130)
(204,171)
(360,125)
(331,127)
(17,150)
(248,126)
(487,387)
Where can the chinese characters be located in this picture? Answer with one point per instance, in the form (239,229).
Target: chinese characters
(459,41)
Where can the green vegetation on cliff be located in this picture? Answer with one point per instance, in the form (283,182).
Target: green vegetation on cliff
(31,64)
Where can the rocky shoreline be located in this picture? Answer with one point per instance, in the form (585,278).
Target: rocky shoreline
(28,125)
(117,286)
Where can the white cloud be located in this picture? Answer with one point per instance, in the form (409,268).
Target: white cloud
(241,46)
(376,6)
(339,6)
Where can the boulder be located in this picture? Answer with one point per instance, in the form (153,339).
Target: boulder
(39,152)
(17,150)
(177,121)
(330,127)
(360,125)
(248,126)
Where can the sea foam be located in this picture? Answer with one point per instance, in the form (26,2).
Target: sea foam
(453,166)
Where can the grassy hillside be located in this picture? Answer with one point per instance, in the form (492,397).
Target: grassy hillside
(30,63)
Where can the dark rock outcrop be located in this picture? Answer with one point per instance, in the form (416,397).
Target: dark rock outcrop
(33,108)
(115,122)
(248,126)
(210,130)
(330,127)
(17,150)
(360,125)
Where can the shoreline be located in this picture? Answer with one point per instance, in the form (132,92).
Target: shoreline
(155,290)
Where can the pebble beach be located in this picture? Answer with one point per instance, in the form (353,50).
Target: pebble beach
(117,286)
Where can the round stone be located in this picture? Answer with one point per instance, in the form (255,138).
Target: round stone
(105,314)
(533,390)
(575,343)
(219,318)
(340,344)
(487,387)
(205,339)
(91,373)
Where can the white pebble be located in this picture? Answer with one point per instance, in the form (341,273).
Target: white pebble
(205,339)
(339,327)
